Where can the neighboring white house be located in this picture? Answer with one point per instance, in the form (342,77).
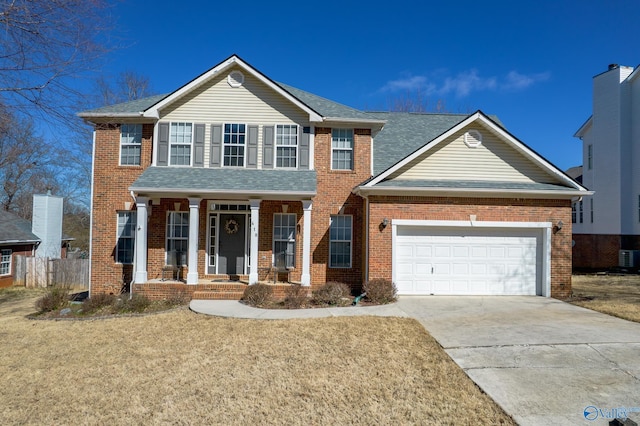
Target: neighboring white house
(609,220)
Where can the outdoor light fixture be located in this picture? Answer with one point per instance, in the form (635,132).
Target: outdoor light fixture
(560,225)
(385,222)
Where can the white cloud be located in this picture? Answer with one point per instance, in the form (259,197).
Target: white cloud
(517,81)
(466,82)
(463,84)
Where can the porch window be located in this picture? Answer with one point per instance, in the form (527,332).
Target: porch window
(234,144)
(284,237)
(130,143)
(342,149)
(286,145)
(340,237)
(5,262)
(125,237)
(180,137)
(177,236)
(574,213)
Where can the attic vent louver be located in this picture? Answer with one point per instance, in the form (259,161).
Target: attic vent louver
(473,138)
(235,79)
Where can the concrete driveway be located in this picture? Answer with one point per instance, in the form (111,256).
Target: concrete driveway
(544,361)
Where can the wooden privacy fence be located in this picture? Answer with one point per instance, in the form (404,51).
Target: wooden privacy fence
(45,272)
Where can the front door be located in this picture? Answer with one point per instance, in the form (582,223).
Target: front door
(231,244)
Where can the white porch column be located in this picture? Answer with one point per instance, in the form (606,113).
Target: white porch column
(255,232)
(140,276)
(306,243)
(194,221)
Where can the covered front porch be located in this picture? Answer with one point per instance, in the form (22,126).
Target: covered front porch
(203,225)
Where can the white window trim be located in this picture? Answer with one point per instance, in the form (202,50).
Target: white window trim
(190,144)
(118,236)
(352,149)
(3,253)
(296,146)
(246,136)
(166,237)
(139,145)
(289,240)
(341,241)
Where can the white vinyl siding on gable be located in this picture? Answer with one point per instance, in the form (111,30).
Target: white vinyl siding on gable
(130,144)
(493,160)
(216,102)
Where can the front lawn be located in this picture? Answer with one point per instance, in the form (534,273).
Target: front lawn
(617,295)
(179,367)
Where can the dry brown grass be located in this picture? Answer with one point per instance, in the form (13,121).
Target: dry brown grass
(182,368)
(617,295)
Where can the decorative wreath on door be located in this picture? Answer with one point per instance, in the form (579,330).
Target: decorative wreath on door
(231,226)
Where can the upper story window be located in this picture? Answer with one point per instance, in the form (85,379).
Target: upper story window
(234,144)
(589,157)
(130,144)
(180,138)
(5,262)
(286,145)
(342,149)
(125,237)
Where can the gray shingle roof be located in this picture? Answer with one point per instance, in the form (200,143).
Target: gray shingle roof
(209,180)
(326,107)
(405,132)
(15,229)
(129,108)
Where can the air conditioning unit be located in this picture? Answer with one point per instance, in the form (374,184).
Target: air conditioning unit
(629,258)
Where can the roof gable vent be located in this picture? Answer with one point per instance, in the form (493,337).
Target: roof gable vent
(235,79)
(473,138)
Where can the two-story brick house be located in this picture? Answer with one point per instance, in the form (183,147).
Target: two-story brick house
(234,172)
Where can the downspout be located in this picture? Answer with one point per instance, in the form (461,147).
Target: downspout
(366,238)
(93,173)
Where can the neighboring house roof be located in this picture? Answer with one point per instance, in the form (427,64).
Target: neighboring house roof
(575,173)
(584,128)
(230,181)
(14,229)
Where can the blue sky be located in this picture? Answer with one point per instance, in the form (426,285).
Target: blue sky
(529,63)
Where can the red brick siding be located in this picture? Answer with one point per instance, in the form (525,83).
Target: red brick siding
(110,183)
(598,252)
(501,210)
(333,194)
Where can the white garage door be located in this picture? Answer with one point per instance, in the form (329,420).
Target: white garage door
(467,261)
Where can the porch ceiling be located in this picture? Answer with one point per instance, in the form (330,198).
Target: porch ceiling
(227,182)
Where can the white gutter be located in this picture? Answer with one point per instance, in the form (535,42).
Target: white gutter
(471,192)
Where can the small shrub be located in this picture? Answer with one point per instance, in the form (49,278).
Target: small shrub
(295,296)
(97,302)
(137,304)
(57,297)
(257,294)
(332,293)
(380,291)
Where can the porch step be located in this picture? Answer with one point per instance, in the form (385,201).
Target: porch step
(217,295)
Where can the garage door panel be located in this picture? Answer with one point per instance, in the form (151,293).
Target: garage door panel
(467,261)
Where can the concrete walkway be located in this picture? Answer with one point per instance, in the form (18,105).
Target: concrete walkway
(543,361)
